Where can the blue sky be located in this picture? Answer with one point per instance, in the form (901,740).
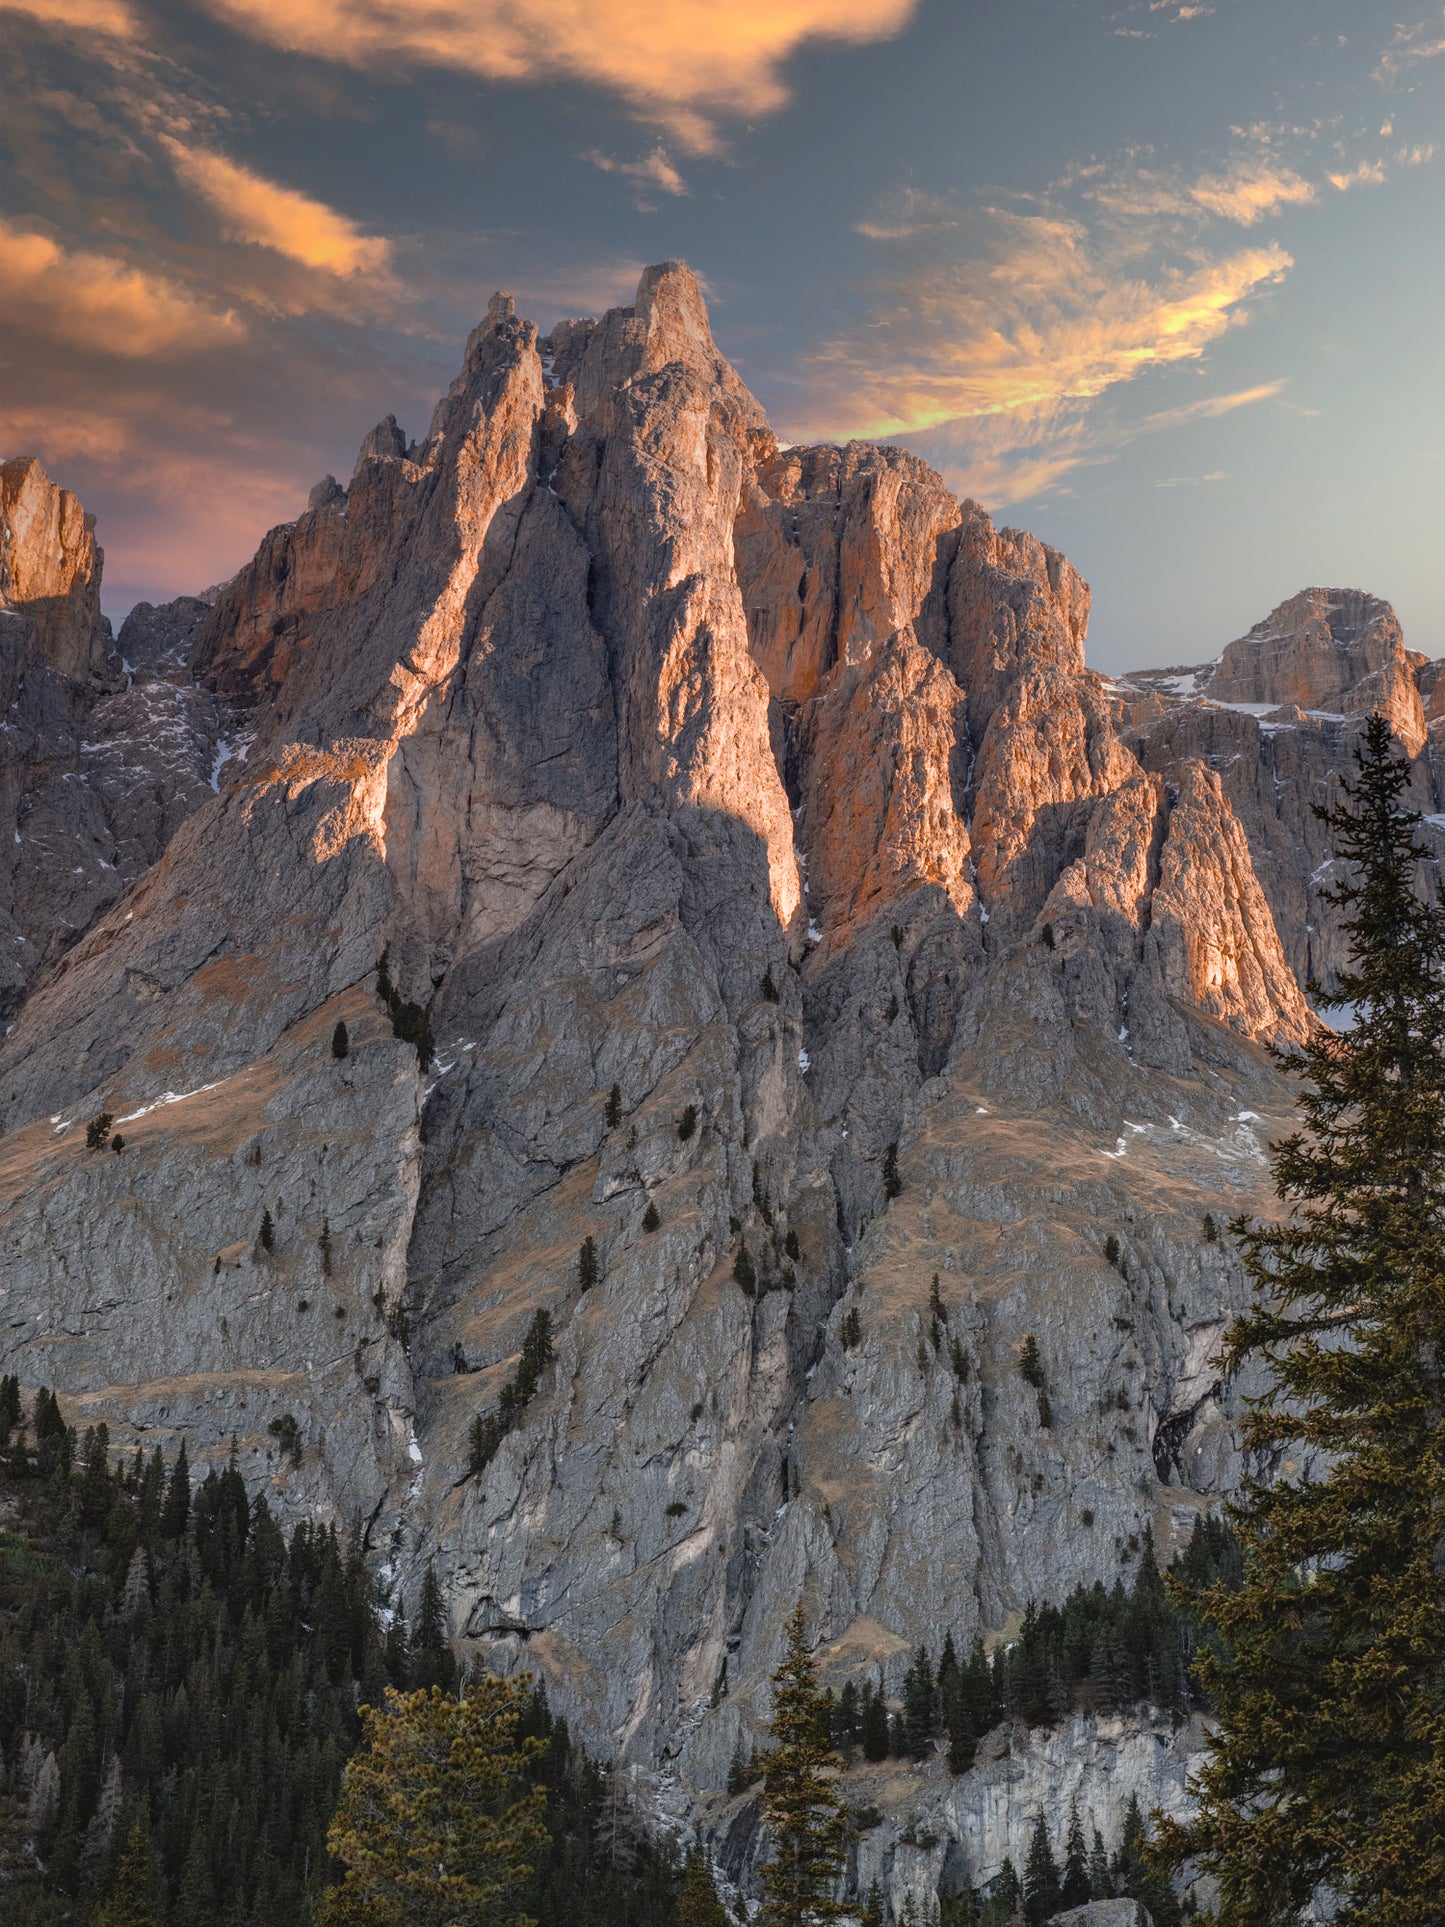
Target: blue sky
(1160,281)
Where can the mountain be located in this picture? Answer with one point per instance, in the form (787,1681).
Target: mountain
(796,917)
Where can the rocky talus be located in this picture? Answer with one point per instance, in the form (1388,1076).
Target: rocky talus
(798,919)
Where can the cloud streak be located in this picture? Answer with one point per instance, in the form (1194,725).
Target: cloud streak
(1216,405)
(253,209)
(1029,320)
(654,170)
(98,302)
(111,17)
(995,332)
(682,64)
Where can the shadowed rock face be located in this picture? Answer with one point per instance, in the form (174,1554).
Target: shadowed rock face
(105,748)
(764,784)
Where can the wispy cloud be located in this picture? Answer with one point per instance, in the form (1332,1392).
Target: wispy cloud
(680,65)
(102,303)
(583,288)
(1192,481)
(1365,174)
(1027,317)
(263,212)
(1250,188)
(1423,40)
(1252,183)
(994,332)
(1215,405)
(654,170)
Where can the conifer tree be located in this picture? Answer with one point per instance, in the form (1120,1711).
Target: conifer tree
(587,1269)
(1008,1890)
(1041,1877)
(95,1488)
(132,1898)
(340,1042)
(432,1660)
(177,1508)
(874,1724)
(1074,1882)
(892,1182)
(918,1705)
(436,1823)
(1100,1885)
(697,1901)
(1328,1765)
(803,1814)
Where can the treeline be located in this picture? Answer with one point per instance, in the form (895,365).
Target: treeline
(179,1694)
(1103,1650)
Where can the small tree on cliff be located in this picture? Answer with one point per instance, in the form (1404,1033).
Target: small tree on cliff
(801,1808)
(1328,1767)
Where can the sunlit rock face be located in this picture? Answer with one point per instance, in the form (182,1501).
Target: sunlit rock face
(1276,718)
(768,788)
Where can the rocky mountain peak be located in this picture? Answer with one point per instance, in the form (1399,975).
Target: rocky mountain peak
(798,920)
(1333,651)
(50,574)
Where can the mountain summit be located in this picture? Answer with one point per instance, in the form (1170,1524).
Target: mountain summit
(724,863)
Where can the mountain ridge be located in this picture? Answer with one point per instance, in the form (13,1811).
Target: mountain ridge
(670,770)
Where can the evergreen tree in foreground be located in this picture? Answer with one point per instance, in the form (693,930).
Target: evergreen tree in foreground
(436,1824)
(1328,1768)
(801,1808)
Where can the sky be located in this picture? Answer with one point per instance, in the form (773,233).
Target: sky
(1160,280)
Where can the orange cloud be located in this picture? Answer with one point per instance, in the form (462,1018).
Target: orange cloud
(1249,189)
(680,64)
(98,302)
(1215,405)
(261,211)
(1250,185)
(654,170)
(1030,322)
(87,16)
(1366,174)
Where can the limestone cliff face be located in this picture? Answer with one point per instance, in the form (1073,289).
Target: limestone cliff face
(767,789)
(1276,718)
(105,748)
(1335,650)
(50,571)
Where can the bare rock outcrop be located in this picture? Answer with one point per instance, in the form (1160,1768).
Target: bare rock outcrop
(1276,718)
(1014,604)
(882,751)
(50,574)
(1333,650)
(1211,928)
